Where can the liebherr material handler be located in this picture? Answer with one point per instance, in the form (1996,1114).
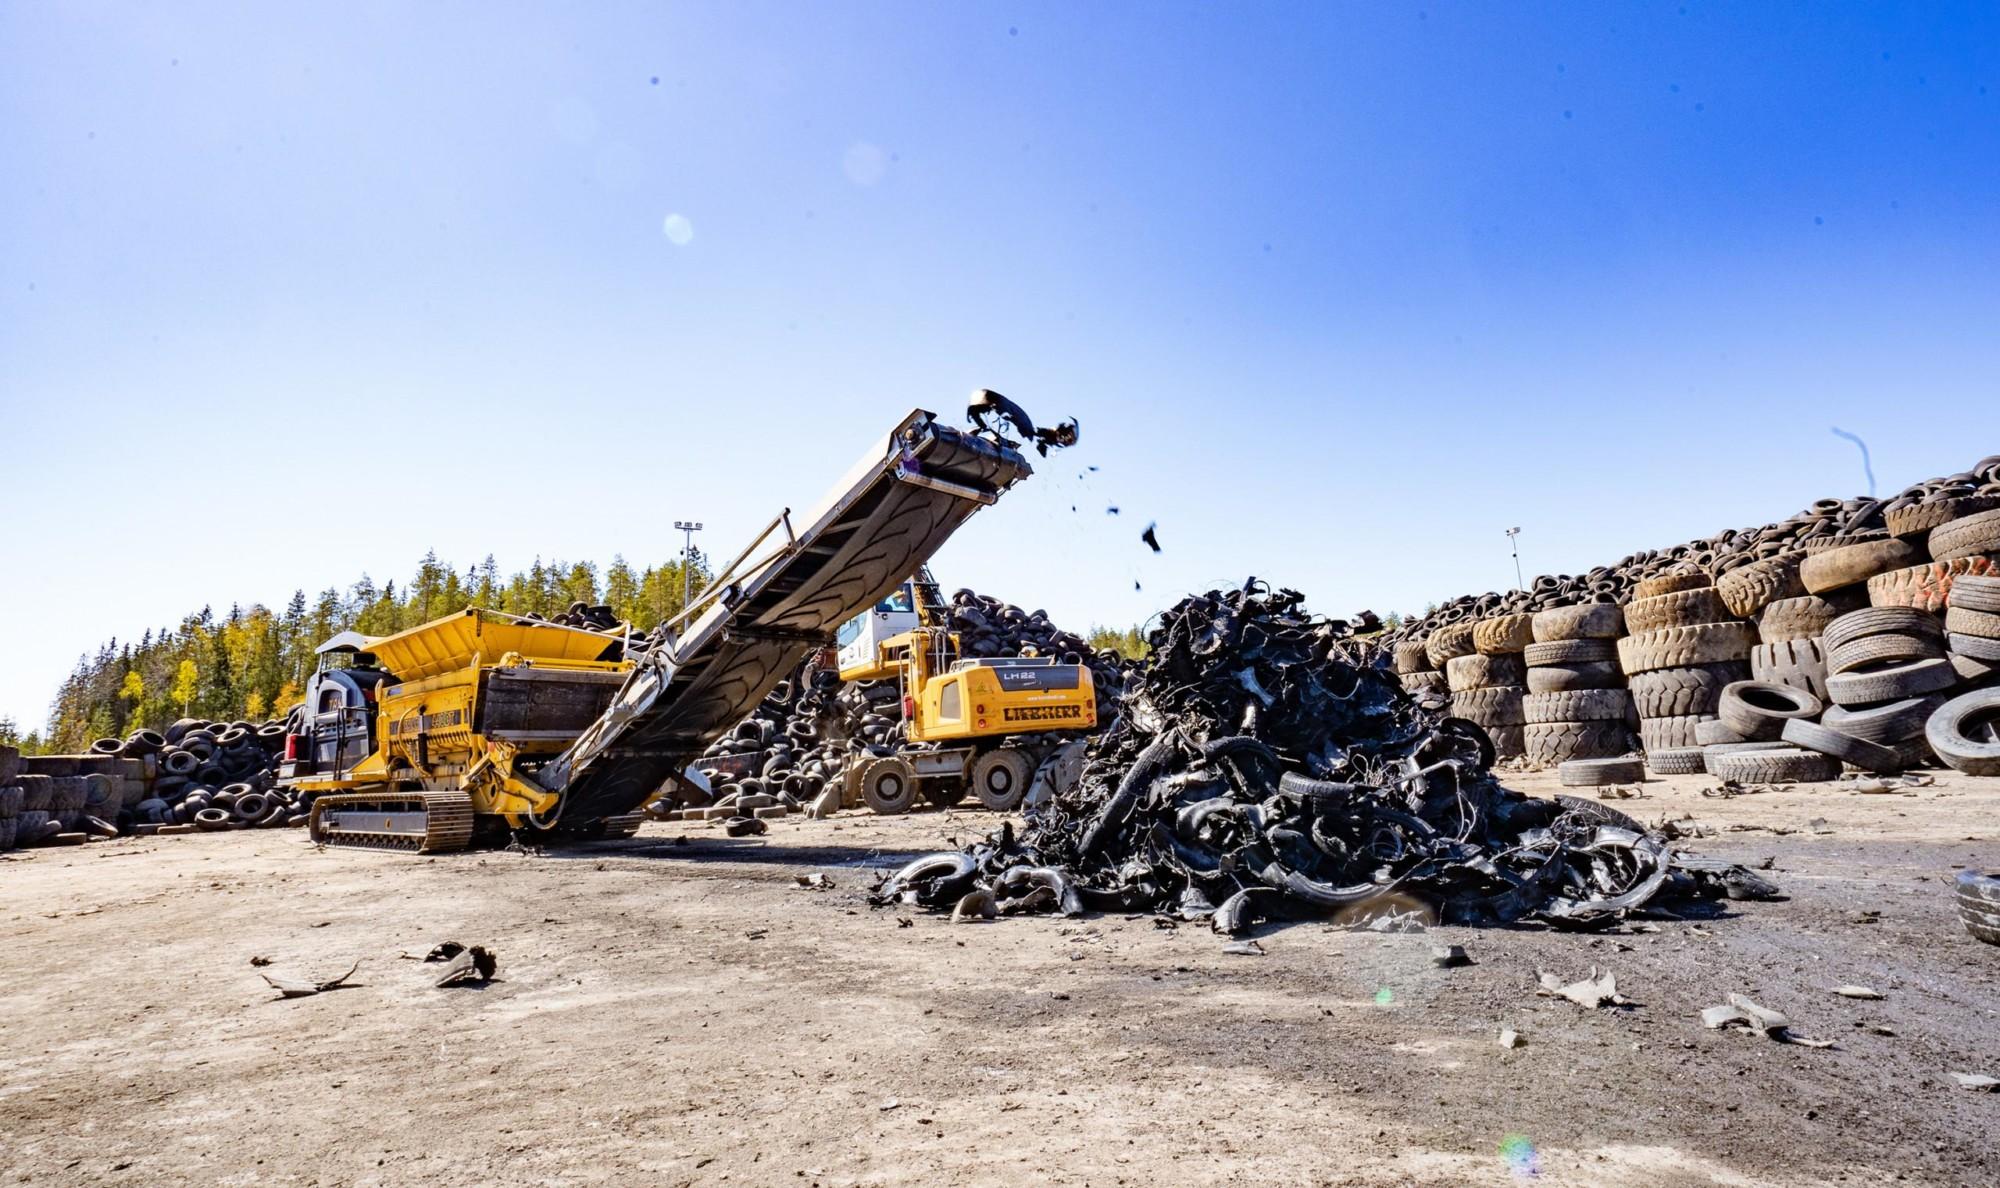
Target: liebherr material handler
(480,724)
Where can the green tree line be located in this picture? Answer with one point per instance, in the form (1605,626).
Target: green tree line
(253,662)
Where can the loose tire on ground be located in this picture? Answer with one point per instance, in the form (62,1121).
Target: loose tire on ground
(1600,773)
(1860,752)
(1675,761)
(1776,766)
(1965,732)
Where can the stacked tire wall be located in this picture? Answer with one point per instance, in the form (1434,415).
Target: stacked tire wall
(1576,706)
(1487,676)
(1841,619)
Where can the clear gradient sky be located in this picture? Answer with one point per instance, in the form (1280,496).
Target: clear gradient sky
(1338,291)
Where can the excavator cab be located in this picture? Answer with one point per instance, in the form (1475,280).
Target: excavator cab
(860,639)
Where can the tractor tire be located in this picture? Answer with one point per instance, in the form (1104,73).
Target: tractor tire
(1424,682)
(1758,710)
(889,785)
(1853,564)
(1778,765)
(1670,583)
(1464,673)
(1509,742)
(1412,656)
(1802,618)
(1684,647)
(1551,743)
(1503,635)
(1967,536)
(1000,778)
(1682,692)
(1561,678)
(1591,621)
(1448,642)
(1683,608)
(1965,732)
(1497,705)
(1799,663)
(1750,588)
(1926,587)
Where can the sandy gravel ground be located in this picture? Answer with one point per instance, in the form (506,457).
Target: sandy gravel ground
(681,1012)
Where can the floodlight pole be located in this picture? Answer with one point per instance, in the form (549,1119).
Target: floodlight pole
(1514,542)
(687,528)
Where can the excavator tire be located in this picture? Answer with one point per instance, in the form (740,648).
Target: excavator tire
(1000,778)
(889,785)
(418,822)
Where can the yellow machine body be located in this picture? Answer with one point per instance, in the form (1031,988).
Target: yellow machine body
(976,699)
(467,704)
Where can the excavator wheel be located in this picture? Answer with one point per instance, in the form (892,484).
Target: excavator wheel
(1000,778)
(944,793)
(889,785)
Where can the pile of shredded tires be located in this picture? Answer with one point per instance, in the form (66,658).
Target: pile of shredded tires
(1859,633)
(196,776)
(1263,765)
(808,731)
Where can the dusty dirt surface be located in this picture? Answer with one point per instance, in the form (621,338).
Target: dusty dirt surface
(682,1012)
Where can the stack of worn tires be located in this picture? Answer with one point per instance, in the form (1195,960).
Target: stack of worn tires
(1682,649)
(1488,682)
(1576,705)
(11,797)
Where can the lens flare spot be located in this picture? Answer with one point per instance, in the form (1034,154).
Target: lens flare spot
(678,230)
(1385,997)
(1519,1153)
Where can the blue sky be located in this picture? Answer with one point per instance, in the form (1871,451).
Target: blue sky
(1338,292)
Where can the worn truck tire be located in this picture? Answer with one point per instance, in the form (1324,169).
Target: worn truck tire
(1802,618)
(1675,761)
(1919,518)
(1591,621)
(1750,588)
(1503,635)
(1509,742)
(1412,655)
(1928,586)
(1492,706)
(1880,620)
(1853,564)
(1783,765)
(1758,710)
(1670,583)
(1859,752)
(1895,683)
(1982,648)
(1962,620)
(1601,773)
(37,792)
(1579,705)
(1550,743)
(1967,536)
(1656,734)
(1978,907)
(1682,692)
(1448,642)
(1560,678)
(1965,732)
(1570,651)
(1682,608)
(1799,663)
(1684,647)
(1715,732)
(1874,652)
(1484,672)
(1980,592)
